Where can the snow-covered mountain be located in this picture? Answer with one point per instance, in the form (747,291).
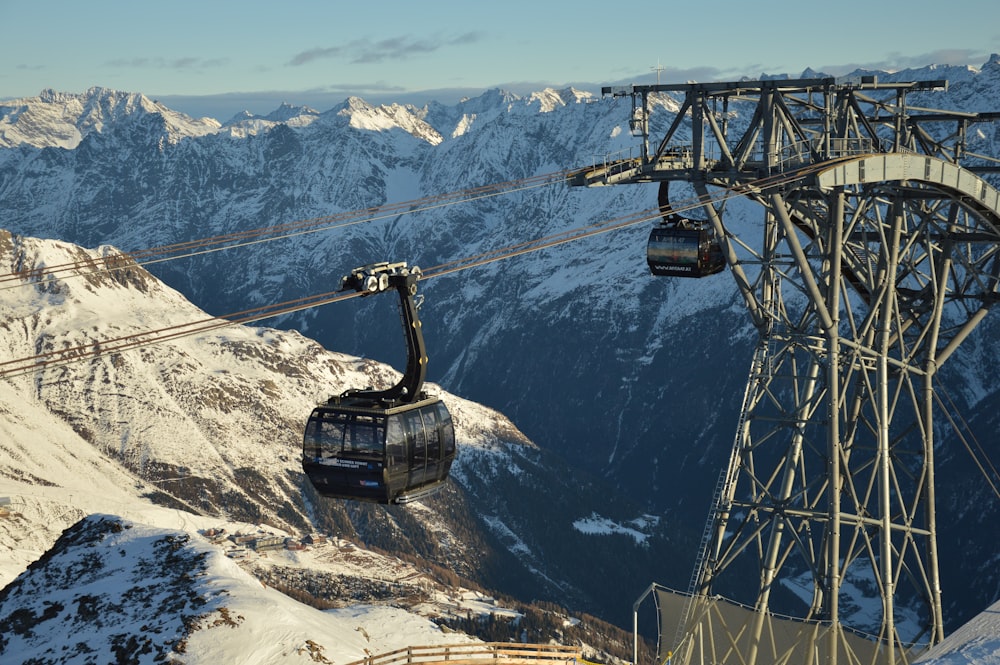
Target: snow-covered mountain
(114,591)
(623,381)
(62,120)
(205,431)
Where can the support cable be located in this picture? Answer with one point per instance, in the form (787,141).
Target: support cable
(208,245)
(197,247)
(965,442)
(94,349)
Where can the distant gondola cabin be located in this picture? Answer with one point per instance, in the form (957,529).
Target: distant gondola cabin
(676,251)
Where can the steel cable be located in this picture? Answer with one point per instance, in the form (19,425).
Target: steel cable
(94,349)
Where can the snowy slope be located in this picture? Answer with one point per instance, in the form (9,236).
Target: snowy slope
(203,432)
(210,412)
(112,590)
(975,643)
(211,421)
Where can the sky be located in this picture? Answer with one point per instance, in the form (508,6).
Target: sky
(218,58)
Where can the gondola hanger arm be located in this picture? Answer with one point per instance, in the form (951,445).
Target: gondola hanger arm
(378,278)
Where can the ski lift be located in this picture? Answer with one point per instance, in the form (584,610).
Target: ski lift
(682,247)
(383,446)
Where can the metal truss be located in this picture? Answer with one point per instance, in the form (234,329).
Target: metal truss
(876,258)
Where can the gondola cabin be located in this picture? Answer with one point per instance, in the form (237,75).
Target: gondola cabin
(689,250)
(358,450)
(387,446)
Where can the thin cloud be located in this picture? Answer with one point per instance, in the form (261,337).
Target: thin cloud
(671,75)
(187,63)
(316,54)
(367,52)
(353,88)
(942,57)
(894,62)
(396,48)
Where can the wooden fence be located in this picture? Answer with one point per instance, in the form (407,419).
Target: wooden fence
(483,653)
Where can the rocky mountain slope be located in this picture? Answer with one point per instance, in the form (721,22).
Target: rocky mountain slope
(206,429)
(112,590)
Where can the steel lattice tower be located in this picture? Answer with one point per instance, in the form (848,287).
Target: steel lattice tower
(877,256)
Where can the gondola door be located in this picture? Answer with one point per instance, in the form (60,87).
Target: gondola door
(447,429)
(432,471)
(417,445)
(397,462)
